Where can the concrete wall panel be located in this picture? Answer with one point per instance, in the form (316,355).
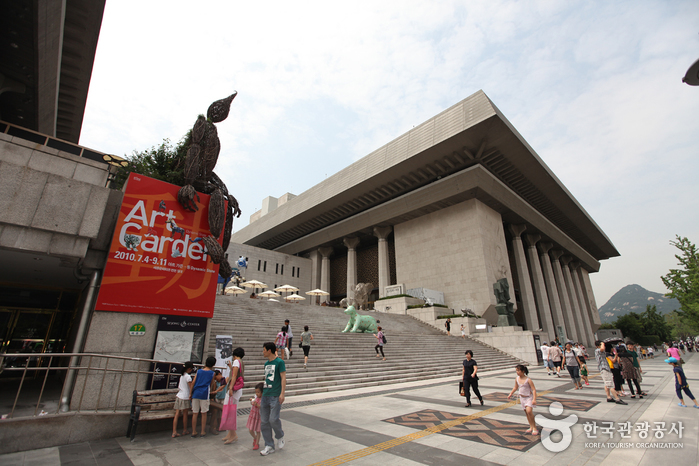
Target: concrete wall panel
(44,162)
(62,205)
(20,193)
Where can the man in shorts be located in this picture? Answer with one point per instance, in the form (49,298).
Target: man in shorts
(548,364)
(606,373)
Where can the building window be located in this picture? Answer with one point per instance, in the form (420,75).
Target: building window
(282,270)
(264,269)
(293,271)
(298,272)
(259,264)
(277,270)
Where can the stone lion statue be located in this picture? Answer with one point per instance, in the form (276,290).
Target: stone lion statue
(358,323)
(361,295)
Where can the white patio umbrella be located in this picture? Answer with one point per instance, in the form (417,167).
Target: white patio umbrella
(254,284)
(232,289)
(295,297)
(268,294)
(286,289)
(317,292)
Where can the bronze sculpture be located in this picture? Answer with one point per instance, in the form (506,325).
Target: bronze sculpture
(199,175)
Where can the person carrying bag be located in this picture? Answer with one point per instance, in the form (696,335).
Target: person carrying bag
(234,389)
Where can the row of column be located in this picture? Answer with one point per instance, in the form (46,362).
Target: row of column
(351,243)
(553,285)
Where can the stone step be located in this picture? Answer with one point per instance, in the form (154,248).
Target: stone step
(340,361)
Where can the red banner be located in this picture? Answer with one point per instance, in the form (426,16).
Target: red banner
(157,262)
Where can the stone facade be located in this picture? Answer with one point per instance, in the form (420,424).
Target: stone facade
(459,250)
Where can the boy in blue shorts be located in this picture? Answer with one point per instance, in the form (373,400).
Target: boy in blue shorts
(203,383)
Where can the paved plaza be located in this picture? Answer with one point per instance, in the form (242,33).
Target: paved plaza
(427,423)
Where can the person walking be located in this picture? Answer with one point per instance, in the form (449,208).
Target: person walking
(556,356)
(628,371)
(548,364)
(280,341)
(202,385)
(182,403)
(463,332)
(571,361)
(615,364)
(447,325)
(673,352)
(233,393)
(272,399)
(681,382)
(306,338)
(254,423)
(469,376)
(527,396)
(603,364)
(290,337)
(381,340)
(632,349)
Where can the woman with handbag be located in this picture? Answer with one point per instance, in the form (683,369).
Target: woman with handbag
(470,379)
(229,417)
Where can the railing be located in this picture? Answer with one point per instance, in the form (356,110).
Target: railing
(60,144)
(103,383)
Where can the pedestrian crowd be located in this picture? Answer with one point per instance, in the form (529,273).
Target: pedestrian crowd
(618,366)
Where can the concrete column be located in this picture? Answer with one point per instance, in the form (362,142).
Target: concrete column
(325,272)
(315,272)
(525,283)
(573,297)
(384,268)
(584,316)
(564,295)
(540,294)
(552,290)
(351,243)
(590,302)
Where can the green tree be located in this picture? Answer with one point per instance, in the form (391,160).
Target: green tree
(164,162)
(654,323)
(683,282)
(679,327)
(631,326)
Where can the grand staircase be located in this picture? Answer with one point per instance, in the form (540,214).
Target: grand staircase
(340,361)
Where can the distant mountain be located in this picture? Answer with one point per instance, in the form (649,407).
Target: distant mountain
(635,298)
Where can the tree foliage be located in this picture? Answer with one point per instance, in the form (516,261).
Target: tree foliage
(164,162)
(644,328)
(654,323)
(683,282)
(679,326)
(631,326)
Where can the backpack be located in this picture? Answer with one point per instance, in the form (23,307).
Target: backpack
(383,337)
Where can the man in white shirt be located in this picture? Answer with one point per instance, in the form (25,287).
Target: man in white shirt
(545,354)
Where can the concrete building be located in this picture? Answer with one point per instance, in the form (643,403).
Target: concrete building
(55,208)
(453,205)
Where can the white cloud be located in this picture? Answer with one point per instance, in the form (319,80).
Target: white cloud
(594,87)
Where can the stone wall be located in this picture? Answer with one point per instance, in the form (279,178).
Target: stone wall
(281,269)
(512,340)
(459,250)
(51,202)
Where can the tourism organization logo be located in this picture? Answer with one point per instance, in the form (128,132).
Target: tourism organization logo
(604,433)
(552,425)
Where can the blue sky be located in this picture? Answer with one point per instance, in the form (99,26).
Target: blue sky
(594,87)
